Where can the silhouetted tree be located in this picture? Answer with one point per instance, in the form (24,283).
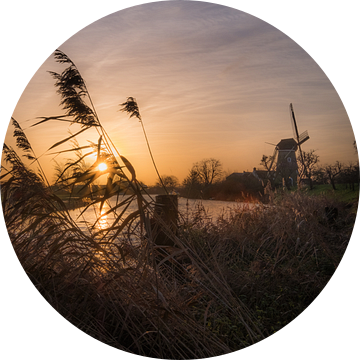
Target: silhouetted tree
(350,175)
(319,175)
(307,166)
(332,172)
(208,171)
(267,162)
(169,181)
(355,146)
(192,184)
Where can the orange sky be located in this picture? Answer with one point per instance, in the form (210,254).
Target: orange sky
(210,81)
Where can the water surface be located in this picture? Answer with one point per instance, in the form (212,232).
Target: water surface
(211,209)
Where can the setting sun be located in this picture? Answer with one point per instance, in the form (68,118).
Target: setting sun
(102,167)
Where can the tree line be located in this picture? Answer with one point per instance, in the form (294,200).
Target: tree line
(202,176)
(207,179)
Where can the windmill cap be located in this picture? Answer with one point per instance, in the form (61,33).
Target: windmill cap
(287,144)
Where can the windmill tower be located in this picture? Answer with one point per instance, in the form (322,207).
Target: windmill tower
(286,165)
(285,155)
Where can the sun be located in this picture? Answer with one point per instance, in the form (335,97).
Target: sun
(102,167)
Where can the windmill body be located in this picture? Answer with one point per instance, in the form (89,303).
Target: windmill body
(285,156)
(286,164)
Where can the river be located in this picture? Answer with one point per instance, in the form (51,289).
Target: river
(211,209)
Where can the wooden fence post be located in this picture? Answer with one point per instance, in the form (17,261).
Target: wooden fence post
(164,223)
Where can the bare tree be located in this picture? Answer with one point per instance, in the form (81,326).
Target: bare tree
(267,162)
(319,175)
(332,172)
(307,166)
(350,175)
(208,171)
(191,179)
(192,185)
(169,181)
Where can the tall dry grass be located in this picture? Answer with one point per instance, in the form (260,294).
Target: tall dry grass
(225,284)
(122,294)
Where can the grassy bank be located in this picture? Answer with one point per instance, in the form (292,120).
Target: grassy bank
(343,193)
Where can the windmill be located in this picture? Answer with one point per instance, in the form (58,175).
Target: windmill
(285,155)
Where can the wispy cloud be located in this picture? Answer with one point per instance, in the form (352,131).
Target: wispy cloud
(208,79)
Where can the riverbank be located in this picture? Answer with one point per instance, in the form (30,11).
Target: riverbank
(342,193)
(235,192)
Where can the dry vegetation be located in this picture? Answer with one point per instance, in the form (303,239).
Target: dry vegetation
(222,286)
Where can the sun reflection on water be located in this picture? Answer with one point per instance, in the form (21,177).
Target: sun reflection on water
(103,223)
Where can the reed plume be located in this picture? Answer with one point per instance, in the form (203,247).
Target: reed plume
(130,106)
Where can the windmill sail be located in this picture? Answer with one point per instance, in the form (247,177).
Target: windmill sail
(303,137)
(294,123)
(300,139)
(272,161)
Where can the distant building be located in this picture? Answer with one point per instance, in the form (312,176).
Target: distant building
(254,176)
